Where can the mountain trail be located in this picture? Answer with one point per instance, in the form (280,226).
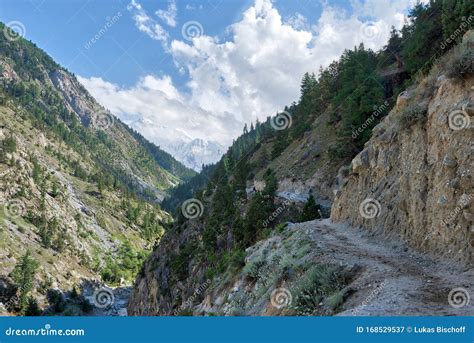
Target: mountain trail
(394,279)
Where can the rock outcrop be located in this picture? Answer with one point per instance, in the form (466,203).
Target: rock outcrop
(416,180)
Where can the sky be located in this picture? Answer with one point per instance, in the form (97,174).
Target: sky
(177,70)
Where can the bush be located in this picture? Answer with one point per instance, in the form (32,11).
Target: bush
(459,63)
(339,150)
(413,114)
(254,269)
(32,308)
(9,144)
(320,282)
(179,263)
(311,210)
(56,300)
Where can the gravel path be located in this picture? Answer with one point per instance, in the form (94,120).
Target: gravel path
(394,279)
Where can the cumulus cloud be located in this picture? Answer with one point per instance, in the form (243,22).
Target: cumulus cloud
(169,15)
(254,73)
(155,108)
(148,25)
(298,21)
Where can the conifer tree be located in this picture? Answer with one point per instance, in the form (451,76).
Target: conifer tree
(23,275)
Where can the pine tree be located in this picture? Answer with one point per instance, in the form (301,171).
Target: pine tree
(23,275)
(311,210)
(32,308)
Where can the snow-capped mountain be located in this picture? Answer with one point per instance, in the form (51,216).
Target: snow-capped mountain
(197,152)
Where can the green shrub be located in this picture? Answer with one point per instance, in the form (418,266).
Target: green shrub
(9,144)
(56,300)
(254,269)
(311,210)
(339,150)
(32,308)
(459,63)
(413,114)
(320,282)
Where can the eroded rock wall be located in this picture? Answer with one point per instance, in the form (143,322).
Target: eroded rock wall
(416,179)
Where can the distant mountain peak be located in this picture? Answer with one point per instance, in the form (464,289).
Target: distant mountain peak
(198,151)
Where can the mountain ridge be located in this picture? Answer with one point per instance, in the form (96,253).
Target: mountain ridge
(328,146)
(79,190)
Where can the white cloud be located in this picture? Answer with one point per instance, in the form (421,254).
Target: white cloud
(155,108)
(148,25)
(252,74)
(297,21)
(169,16)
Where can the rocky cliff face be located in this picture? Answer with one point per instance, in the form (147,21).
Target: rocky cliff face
(415,176)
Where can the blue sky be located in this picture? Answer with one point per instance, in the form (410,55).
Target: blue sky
(245,60)
(124,54)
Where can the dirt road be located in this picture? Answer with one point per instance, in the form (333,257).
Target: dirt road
(394,280)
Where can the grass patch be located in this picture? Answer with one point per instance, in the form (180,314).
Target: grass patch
(321,284)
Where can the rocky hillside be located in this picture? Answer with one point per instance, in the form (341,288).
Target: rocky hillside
(79,190)
(414,177)
(231,250)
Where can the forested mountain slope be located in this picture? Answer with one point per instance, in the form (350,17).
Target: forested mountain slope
(79,190)
(231,219)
